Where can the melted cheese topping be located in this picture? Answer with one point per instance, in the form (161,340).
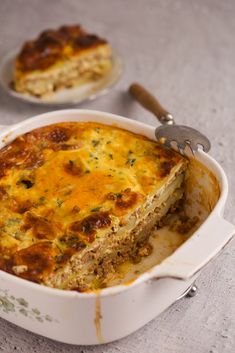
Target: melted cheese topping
(62,186)
(52,47)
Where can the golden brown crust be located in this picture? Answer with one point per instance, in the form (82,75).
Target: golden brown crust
(63,186)
(52,46)
(86,228)
(38,260)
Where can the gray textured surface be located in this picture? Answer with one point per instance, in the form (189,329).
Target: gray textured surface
(183,51)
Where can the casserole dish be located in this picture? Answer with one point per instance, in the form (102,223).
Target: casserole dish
(112,313)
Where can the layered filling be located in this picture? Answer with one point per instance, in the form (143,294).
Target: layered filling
(75,71)
(95,267)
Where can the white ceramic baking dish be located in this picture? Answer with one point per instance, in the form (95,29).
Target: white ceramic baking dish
(112,313)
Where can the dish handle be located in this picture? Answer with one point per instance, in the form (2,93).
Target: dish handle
(202,247)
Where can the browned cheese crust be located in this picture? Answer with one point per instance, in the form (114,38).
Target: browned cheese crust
(71,191)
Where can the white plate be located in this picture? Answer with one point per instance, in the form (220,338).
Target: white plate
(75,95)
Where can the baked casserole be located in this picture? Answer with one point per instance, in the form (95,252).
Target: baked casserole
(77,199)
(62,58)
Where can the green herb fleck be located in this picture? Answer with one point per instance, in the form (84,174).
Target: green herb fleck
(18,235)
(42,199)
(59,203)
(96,209)
(118,195)
(95,143)
(131,161)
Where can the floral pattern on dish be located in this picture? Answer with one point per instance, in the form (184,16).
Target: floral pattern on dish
(9,304)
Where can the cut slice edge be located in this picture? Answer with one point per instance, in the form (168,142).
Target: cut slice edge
(90,268)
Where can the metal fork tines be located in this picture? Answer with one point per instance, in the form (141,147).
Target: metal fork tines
(183,136)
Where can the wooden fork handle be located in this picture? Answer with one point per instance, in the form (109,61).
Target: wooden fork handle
(148,101)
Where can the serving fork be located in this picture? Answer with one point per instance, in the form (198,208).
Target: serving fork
(169,132)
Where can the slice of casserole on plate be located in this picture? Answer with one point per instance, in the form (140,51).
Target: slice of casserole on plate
(62,58)
(79,199)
